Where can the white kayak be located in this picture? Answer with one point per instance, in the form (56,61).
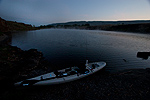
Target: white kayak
(64,75)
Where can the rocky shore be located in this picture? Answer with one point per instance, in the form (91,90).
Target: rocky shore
(17,65)
(124,85)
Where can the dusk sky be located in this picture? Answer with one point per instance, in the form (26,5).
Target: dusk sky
(43,12)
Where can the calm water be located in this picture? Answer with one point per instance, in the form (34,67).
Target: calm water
(70,47)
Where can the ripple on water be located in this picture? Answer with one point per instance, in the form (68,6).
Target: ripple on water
(69,47)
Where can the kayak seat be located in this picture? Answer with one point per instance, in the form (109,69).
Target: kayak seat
(68,69)
(58,74)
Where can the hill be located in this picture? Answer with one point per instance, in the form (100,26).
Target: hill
(97,23)
(9,26)
(142,26)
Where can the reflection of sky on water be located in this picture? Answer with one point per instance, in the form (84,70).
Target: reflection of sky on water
(67,47)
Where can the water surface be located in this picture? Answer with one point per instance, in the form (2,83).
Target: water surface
(71,47)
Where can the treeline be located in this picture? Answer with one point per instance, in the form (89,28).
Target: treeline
(142,28)
(77,26)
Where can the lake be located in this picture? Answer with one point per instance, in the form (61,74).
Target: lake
(71,47)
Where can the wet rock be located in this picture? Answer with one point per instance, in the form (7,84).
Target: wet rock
(15,62)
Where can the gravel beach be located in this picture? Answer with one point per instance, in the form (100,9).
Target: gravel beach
(125,85)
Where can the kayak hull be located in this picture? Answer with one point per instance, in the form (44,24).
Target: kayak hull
(51,78)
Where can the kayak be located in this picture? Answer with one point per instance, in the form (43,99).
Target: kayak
(64,75)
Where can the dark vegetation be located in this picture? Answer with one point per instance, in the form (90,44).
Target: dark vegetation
(9,26)
(141,28)
(125,26)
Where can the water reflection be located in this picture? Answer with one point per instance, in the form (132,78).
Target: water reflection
(143,55)
(68,47)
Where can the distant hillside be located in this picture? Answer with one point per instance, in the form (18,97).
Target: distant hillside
(7,26)
(97,23)
(142,28)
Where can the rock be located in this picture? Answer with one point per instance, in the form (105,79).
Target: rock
(16,62)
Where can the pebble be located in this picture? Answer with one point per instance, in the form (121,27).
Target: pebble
(94,87)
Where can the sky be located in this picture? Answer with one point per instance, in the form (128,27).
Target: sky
(43,12)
